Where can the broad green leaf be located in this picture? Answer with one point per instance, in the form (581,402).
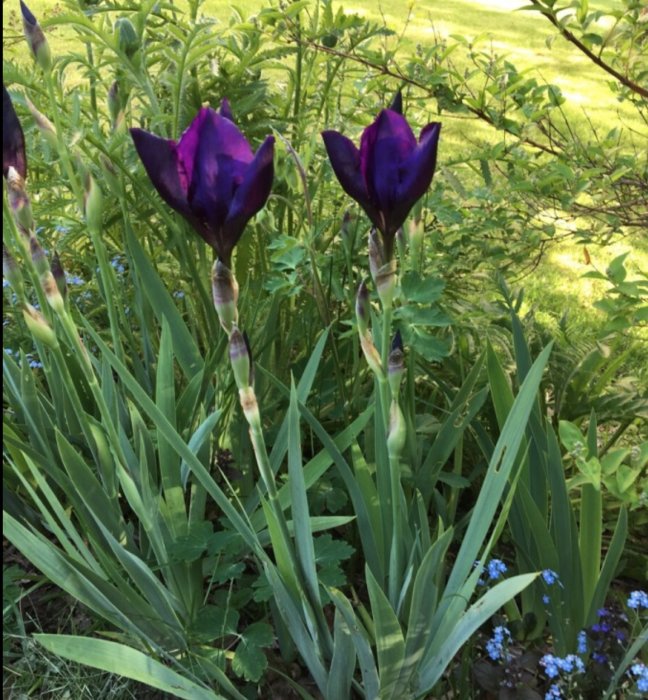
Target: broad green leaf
(343,662)
(299,502)
(390,645)
(434,665)
(125,661)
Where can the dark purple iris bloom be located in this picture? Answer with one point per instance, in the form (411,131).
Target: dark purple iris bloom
(390,171)
(210,176)
(13,141)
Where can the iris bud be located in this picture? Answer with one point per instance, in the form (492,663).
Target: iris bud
(11,272)
(114,102)
(362,308)
(225,293)
(38,256)
(19,202)
(38,326)
(59,275)
(376,253)
(36,39)
(93,204)
(386,282)
(127,39)
(397,433)
(44,125)
(241,359)
(396,364)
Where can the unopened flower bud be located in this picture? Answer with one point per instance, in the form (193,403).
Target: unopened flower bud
(371,354)
(225,294)
(19,202)
(127,39)
(241,358)
(396,364)
(38,326)
(38,256)
(44,125)
(362,308)
(385,281)
(11,272)
(13,139)
(93,204)
(397,103)
(114,102)
(36,39)
(376,253)
(59,274)
(397,432)
(250,407)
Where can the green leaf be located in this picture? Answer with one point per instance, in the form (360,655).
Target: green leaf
(421,289)
(343,661)
(434,665)
(390,645)
(259,634)
(329,550)
(571,437)
(249,662)
(299,501)
(214,622)
(184,345)
(125,661)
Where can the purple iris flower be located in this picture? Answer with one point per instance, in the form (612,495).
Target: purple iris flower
(390,171)
(210,176)
(13,141)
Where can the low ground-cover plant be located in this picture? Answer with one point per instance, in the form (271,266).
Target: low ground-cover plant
(206,570)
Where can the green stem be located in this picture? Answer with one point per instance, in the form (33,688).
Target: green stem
(62,151)
(385,392)
(108,279)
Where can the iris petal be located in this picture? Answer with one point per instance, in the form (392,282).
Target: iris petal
(385,145)
(160,160)
(220,164)
(250,196)
(13,140)
(346,161)
(418,170)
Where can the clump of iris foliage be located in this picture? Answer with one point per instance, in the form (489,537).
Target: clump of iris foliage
(273,416)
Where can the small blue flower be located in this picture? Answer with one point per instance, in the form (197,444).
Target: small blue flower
(554,693)
(495,646)
(496,568)
(601,627)
(550,663)
(602,612)
(581,647)
(546,599)
(638,600)
(9,351)
(599,658)
(550,577)
(572,664)
(5,283)
(117,265)
(179,294)
(74,280)
(640,671)
(62,229)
